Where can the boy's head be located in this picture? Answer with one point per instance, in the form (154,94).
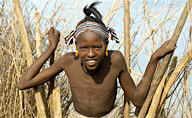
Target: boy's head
(92,22)
(91,36)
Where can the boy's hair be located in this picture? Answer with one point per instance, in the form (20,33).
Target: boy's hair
(92,21)
(92,14)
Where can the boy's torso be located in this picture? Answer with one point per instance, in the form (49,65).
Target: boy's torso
(93,95)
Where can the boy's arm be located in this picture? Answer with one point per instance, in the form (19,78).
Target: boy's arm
(138,94)
(32,77)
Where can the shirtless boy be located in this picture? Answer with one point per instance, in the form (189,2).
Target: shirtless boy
(92,70)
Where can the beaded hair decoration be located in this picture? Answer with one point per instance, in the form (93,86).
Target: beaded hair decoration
(93,26)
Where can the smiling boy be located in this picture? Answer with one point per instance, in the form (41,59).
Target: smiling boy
(92,70)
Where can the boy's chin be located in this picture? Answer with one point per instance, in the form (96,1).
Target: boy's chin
(91,68)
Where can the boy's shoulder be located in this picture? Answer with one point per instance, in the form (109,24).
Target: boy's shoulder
(118,60)
(66,59)
(116,55)
(69,56)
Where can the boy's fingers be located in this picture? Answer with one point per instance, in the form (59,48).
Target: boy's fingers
(57,32)
(51,30)
(47,32)
(172,48)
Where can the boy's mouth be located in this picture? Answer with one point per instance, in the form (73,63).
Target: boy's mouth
(91,62)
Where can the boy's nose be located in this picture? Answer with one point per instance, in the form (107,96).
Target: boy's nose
(91,53)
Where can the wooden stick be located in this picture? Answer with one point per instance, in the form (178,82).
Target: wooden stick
(56,104)
(51,89)
(187,57)
(22,28)
(41,100)
(157,95)
(126,51)
(54,95)
(38,34)
(161,70)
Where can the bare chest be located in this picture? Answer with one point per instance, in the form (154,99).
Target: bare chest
(97,83)
(102,82)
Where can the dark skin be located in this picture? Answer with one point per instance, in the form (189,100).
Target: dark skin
(94,83)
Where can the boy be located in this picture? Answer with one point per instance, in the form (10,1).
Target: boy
(92,70)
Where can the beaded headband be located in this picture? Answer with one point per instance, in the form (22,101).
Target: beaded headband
(93,26)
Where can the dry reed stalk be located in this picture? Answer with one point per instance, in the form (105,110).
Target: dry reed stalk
(184,94)
(161,70)
(111,12)
(173,99)
(154,31)
(187,75)
(67,106)
(127,44)
(189,103)
(190,41)
(177,106)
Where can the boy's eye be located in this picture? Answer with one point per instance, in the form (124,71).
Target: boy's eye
(83,48)
(97,47)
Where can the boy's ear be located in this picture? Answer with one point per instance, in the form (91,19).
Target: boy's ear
(106,43)
(76,44)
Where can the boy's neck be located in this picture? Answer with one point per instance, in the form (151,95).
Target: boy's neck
(91,72)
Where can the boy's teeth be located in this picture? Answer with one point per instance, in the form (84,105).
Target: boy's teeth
(91,61)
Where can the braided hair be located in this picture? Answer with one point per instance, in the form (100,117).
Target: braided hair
(92,14)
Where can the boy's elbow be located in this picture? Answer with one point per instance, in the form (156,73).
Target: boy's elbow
(138,100)
(20,86)
(138,103)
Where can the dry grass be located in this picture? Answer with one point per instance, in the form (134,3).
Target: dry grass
(151,24)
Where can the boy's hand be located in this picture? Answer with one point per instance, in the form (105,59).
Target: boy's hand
(164,49)
(54,36)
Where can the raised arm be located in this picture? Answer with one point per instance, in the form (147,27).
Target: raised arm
(32,77)
(137,94)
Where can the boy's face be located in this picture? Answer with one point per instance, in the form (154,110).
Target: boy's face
(91,48)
